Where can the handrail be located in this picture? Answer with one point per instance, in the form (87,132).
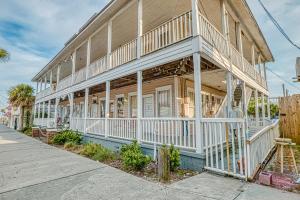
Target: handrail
(261,132)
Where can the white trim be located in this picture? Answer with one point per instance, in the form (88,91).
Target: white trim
(164,88)
(153,104)
(130,94)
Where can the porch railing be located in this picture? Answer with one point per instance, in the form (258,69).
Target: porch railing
(168,33)
(225,145)
(260,145)
(95,126)
(77,124)
(64,83)
(124,128)
(180,132)
(124,54)
(98,67)
(80,75)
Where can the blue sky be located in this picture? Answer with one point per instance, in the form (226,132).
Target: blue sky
(33,32)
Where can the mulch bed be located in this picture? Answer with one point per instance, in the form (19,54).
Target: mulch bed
(148,173)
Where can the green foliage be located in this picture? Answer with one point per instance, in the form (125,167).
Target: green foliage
(274,109)
(174,158)
(21,95)
(133,157)
(97,152)
(67,136)
(70,145)
(4,55)
(27,118)
(27,130)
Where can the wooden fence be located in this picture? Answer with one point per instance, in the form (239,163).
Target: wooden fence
(289,110)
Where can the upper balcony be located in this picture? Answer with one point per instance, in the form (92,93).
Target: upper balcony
(101,51)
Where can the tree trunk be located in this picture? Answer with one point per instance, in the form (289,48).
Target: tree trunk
(22,117)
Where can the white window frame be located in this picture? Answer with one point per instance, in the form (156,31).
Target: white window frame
(99,104)
(115,103)
(146,96)
(189,89)
(130,94)
(163,88)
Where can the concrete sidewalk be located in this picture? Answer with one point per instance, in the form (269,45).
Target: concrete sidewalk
(32,170)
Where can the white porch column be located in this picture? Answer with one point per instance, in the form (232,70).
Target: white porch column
(71,100)
(41,84)
(37,87)
(55,111)
(263,108)
(107,99)
(198,102)
(259,65)
(224,18)
(39,111)
(43,113)
(139,104)
(256,108)
(109,41)
(240,42)
(58,75)
(229,84)
(45,85)
(49,109)
(195,17)
(140,28)
(253,54)
(245,106)
(268,108)
(86,104)
(88,58)
(51,81)
(73,66)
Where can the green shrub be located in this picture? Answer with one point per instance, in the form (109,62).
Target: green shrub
(67,136)
(97,152)
(70,145)
(27,130)
(174,158)
(133,157)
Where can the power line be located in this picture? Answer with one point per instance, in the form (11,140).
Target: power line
(278,26)
(283,79)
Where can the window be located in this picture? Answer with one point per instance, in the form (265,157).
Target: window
(164,101)
(102,108)
(148,106)
(120,107)
(191,102)
(94,108)
(132,105)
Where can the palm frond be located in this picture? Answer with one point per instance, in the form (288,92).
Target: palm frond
(4,55)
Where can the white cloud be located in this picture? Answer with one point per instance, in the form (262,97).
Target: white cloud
(36,31)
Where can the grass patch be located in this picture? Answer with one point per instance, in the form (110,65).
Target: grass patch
(97,152)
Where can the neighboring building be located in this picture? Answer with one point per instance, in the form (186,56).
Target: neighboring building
(163,72)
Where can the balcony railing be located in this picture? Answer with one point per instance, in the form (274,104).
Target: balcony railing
(213,36)
(80,75)
(64,83)
(124,54)
(168,33)
(98,67)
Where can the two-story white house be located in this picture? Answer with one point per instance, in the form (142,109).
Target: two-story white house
(176,72)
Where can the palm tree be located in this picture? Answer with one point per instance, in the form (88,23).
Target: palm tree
(21,96)
(4,55)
